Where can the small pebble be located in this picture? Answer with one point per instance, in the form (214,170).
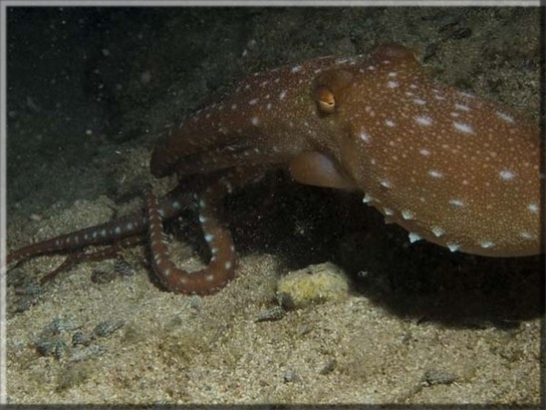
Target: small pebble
(304,329)
(80,338)
(271,314)
(196,302)
(106,328)
(55,347)
(57,326)
(290,376)
(435,376)
(101,277)
(123,268)
(328,367)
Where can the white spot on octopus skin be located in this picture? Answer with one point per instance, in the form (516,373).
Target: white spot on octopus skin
(364,136)
(282,95)
(386,183)
(367,199)
(461,126)
(418,101)
(296,68)
(505,117)
(255,121)
(392,84)
(414,237)
(437,231)
(407,214)
(507,175)
(390,123)
(533,208)
(424,152)
(435,174)
(453,246)
(456,202)
(423,120)
(462,107)
(486,244)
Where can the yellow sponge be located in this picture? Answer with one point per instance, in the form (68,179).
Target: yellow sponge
(313,284)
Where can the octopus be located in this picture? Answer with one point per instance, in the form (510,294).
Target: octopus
(451,168)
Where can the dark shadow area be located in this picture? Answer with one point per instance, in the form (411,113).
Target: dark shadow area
(420,281)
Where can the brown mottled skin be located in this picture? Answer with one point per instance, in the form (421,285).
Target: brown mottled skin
(446,165)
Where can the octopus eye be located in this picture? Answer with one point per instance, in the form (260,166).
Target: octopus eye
(326,101)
